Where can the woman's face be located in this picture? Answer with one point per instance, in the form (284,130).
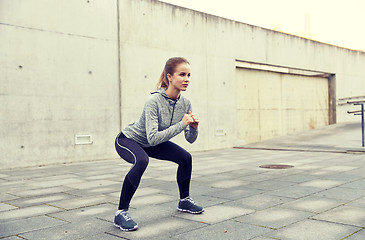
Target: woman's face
(181,77)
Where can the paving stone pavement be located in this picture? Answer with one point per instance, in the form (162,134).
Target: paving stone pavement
(321,197)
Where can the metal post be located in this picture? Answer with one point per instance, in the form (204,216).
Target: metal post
(362,117)
(362,122)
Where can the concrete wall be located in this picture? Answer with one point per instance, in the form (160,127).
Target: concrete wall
(59,78)
(152,31)
(87,66)
(271,104)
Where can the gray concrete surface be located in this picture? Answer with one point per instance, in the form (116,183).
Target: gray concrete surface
(341,138)
(321,197)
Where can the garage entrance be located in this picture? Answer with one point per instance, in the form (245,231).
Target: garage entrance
(273,103)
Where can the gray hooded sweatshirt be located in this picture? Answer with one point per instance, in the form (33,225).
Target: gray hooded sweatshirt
(161,120)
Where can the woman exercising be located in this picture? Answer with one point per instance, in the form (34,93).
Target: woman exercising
(165,114)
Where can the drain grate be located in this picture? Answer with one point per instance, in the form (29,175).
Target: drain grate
(276,166)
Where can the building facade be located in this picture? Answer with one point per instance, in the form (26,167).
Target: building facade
(73,76)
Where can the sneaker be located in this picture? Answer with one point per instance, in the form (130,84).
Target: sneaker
(124,221)
(188,205)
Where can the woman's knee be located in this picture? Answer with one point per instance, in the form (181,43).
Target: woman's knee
(142,162)
(185,159)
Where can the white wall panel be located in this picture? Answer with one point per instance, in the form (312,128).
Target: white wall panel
(271,104)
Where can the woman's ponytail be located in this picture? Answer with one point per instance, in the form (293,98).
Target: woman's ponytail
(163,82)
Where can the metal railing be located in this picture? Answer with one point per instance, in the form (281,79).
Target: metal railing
(359,112)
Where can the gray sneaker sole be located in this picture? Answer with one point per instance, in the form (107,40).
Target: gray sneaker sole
(126,229)
(188,211)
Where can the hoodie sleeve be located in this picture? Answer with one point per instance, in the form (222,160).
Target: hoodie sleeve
(191,134)
(154,136)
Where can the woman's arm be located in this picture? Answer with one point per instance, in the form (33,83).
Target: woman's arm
(191,132)
(154,136)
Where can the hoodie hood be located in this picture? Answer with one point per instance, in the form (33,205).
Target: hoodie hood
(163,93)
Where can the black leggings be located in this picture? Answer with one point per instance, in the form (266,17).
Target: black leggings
(132,152)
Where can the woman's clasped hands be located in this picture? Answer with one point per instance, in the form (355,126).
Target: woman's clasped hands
(191,119)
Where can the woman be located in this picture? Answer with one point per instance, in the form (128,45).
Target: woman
(165,114)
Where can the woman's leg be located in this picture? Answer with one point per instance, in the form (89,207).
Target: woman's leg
(172,152)
(132,152)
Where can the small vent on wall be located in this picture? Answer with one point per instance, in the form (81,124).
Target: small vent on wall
(220,132)
(83,139)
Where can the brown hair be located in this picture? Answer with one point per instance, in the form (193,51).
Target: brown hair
(170,67)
